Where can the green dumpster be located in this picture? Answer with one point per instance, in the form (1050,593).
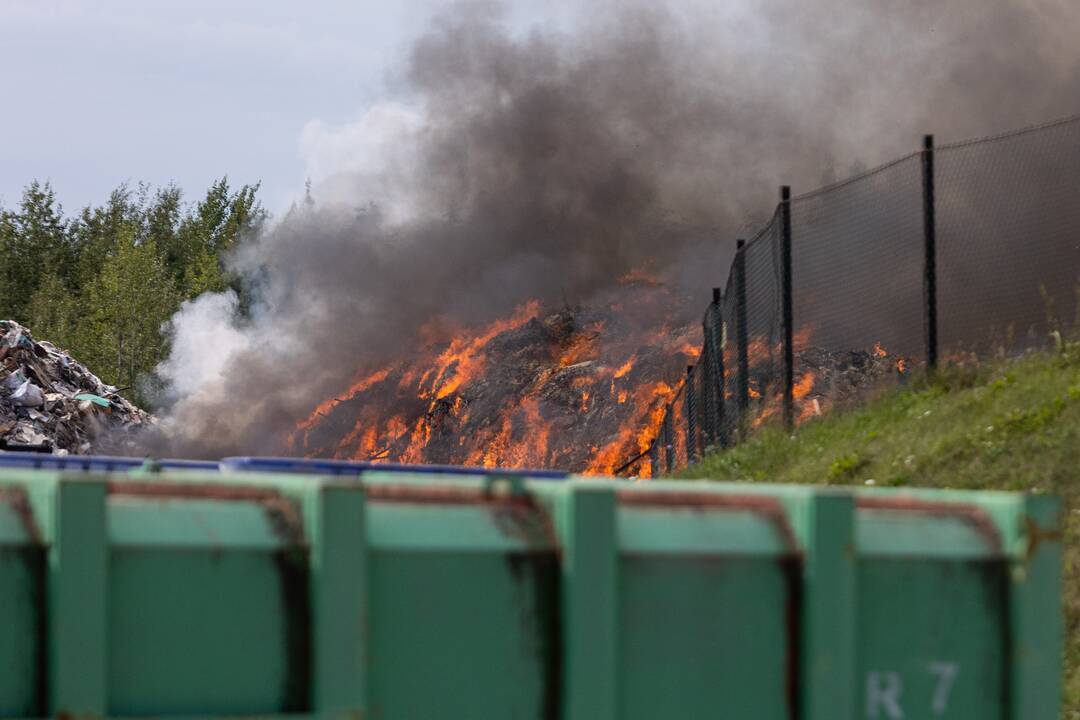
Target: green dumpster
(395,596)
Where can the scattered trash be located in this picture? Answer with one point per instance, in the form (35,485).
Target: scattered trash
(27,395)
(50,401)
(96,399)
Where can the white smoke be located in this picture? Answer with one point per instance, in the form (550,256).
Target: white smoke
(369,160)
(204,340)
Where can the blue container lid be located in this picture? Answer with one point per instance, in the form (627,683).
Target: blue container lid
(105,463)
(175,464)
(347,467)
(98,463)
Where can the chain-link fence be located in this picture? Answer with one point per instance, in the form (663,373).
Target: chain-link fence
(971,248)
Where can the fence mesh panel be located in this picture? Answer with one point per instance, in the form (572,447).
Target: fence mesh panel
(728,343)
(1007,257)
(763,322)
(1008,229)
(712,360)
(857,281)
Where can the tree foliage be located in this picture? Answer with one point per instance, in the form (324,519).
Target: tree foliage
(104,282)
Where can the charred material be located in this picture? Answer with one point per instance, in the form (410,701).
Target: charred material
(576,388)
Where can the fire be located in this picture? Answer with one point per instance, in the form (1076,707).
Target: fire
(581,390)
(690,351)
(804,385)
(611,456)
(496,447)
(357,387)
(576,390)
(625,368)
(582,349)
(461,362)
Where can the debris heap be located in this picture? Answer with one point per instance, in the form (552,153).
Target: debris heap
(577,389)
(50,401)
(844,377)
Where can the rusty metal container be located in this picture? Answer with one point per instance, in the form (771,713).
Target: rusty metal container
(396,595)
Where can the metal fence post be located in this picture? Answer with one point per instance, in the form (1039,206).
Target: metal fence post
(789,350)
(706,405)
(930,254)
(691,416)
(742,398)
(714,339)
(669,441)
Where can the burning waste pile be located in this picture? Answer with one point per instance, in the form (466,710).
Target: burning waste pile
(581,389)
(834,378)
(48,400)
(825,378)
(577,388)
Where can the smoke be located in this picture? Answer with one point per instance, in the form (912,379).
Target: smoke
(513,165)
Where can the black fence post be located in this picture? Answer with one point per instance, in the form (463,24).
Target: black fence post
(690,400)
(714,338)
(742,398)
(706,403)
(789,350)
(669,441)
(654,457)
(930,254)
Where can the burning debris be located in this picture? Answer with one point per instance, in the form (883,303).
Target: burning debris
(840,378)
(48,400)
(578,389)
(824,379)
(581,389)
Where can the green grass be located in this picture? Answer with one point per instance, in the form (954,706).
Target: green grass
(1007,426)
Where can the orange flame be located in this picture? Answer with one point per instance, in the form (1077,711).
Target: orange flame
(427,403)
(804,386)
(357,387)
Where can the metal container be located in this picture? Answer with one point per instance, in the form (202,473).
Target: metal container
(394,595)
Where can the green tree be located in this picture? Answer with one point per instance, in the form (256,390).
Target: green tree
(7,276)
(213,228)
(95,230)
(161,222)
(127,307)
(34,240)
(104,283)
(53,311)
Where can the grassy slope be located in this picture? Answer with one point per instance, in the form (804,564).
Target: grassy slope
(1013,426)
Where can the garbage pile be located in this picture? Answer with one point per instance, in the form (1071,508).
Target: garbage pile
(842,378)
(572,389)
(50,401)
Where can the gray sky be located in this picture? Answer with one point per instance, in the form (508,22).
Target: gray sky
(98,92)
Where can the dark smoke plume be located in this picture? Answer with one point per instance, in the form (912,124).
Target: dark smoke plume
(548,164)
